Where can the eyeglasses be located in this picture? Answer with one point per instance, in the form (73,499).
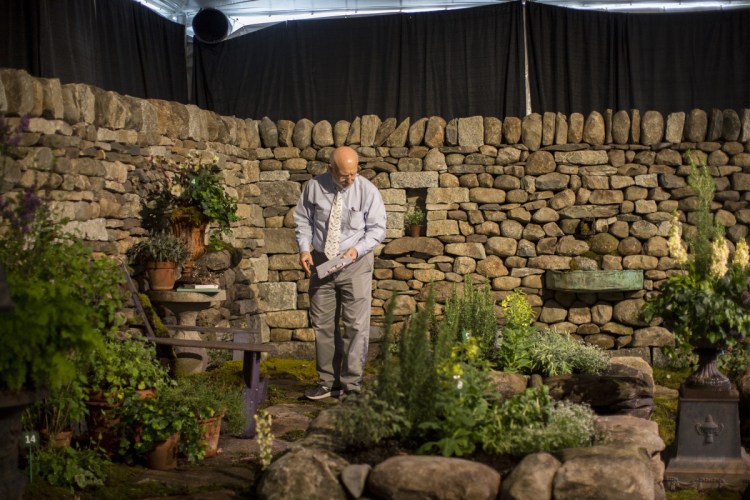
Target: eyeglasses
(338,175)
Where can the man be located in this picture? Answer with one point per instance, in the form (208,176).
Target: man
(338,213)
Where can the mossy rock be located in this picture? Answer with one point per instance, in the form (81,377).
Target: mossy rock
(665,415)
(603,244)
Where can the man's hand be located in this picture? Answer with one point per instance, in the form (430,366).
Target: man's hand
(306,261)
(352,253)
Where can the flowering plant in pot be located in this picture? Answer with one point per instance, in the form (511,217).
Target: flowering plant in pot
(192,189)
(706,305)
(188,196)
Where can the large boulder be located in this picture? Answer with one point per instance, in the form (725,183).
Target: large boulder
(624,430)
(531,478)
(409,477)
(309,473)
(623,390)
(604,472)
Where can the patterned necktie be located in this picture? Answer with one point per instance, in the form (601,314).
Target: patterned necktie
(334,227)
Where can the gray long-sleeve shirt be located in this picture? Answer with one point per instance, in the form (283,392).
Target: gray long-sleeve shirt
(362,219)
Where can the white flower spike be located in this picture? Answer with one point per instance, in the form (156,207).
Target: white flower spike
(676,250)
(741,254)
(719,257)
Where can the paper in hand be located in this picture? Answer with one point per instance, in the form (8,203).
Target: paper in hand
(331,266)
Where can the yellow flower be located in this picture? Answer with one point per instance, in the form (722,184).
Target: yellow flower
(719,257)
(741,254)
(176,190)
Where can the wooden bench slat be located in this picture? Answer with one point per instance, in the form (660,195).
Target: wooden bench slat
(212,344)
(215,329)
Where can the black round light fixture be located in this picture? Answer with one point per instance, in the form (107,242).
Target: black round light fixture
(211,25)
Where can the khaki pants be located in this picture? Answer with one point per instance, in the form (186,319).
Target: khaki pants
(342,299)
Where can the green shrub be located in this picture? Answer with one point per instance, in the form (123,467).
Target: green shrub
(532,422)
(556,353)
(206,397)
(367,420)
(63,407)
(65,300)
(525,349)
(416,367)
(473,312)
(161,246)
(144,423)
(516,343)
(433,391)
(462,405)
(126,365)
(735,360)
(72,468)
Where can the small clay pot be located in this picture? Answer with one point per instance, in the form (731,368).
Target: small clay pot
(164,454)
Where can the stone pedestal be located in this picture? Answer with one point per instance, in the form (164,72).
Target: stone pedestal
(12,404)
(186,306)
(707,453)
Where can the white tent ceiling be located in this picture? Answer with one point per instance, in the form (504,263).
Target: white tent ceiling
(250,15)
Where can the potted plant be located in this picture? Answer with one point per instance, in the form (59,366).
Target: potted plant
(414,220)
(707,308)
(64,301)
(210,402)
(56,414)
(161,253)
(707,304)
(157,427)
(126,367)
(191,194)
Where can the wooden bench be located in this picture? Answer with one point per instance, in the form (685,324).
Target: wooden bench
(255,390)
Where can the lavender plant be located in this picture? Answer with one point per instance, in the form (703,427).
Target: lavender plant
(65,301)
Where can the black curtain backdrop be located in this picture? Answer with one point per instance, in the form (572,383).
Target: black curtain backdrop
(450,64)
(581,61)
(117,45)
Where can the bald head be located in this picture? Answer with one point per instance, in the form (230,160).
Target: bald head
(344,165)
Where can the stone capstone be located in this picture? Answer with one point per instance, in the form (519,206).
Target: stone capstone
(422,245)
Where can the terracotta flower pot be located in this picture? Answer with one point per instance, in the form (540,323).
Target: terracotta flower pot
(195,240)
(164,454)
(101,423)
(59,440)
(210,430)
(415,230)
(161,275)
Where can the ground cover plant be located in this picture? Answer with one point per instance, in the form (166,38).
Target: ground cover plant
(451,359)
(527,349)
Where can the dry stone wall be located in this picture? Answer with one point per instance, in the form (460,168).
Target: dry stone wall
(506,198)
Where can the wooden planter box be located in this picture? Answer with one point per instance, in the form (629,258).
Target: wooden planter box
(623,280)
